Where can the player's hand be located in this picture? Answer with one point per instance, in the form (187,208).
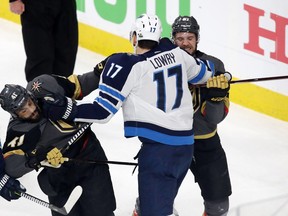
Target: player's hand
(10,187)
(17,7)
(57,107)
(55,157)
(218,88)
(35,157)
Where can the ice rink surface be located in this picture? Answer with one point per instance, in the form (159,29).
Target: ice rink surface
(256,146)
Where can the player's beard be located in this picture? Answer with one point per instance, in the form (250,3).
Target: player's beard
(35,116)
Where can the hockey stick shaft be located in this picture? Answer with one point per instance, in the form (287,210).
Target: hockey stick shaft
(103,162)
(79,133)
(258,79)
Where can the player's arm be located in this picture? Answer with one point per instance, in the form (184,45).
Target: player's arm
(21,153)
(9,187)
(216,105)
(108,101)
(199,71)
(79,86)
(215,112)
(21,137)
(19,163)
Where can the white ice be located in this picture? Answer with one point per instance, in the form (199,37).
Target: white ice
(256,146)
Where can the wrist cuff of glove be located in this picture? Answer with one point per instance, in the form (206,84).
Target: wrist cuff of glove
(3,181)
(71,110)
(33,159)
(33,163)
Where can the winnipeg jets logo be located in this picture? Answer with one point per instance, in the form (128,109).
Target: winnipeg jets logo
(36,86)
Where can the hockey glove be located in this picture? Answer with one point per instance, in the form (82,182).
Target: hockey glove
(55,157)
(57,107)
(10,188)
(218,87)
(35,157)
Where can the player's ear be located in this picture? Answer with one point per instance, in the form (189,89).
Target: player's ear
(134,39)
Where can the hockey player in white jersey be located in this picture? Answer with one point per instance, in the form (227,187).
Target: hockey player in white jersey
(151,86)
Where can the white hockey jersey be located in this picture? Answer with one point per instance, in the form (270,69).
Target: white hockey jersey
(152,90)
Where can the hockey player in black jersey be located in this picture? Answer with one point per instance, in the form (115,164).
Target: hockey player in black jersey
(32,139)
(211,106)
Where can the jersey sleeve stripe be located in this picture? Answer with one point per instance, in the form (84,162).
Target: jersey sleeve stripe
(112,92)
(108,106)
(201,73)
(211,66)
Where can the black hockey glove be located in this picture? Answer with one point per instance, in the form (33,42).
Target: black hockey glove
(218,87)
(35,157)
(10,188)
(58,107)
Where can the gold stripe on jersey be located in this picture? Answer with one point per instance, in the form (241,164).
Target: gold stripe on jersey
(206,136)
(195,91)
(226,102)
(14,152)
(78,92)
(65,127)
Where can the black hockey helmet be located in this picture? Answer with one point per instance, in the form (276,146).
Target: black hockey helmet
(13,98)
(185,24)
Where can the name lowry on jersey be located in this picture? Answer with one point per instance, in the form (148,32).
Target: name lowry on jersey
(163,60)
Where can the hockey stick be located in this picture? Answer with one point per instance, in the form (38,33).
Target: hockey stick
(77,135)
(73,198)
(258,79)
(74,138)
(101,162)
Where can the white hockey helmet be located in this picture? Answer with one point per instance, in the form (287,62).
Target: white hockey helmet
(147,27)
